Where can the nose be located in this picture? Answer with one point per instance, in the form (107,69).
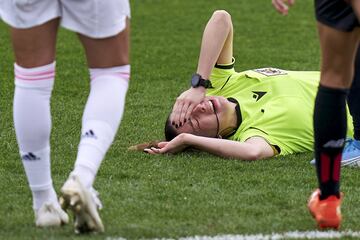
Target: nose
(200,108)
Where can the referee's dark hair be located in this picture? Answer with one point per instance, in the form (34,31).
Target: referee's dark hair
(170,130)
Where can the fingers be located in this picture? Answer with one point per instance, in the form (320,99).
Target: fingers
(183,112)
(157,150)
(180,106)
(153,150)
(148,150)
(189,111)
(184,105)
(139,147)
(174,117)
(281,7)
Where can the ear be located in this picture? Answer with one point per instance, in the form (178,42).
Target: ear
(142,146)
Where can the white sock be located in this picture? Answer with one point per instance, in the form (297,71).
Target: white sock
(32,120)
(101,119)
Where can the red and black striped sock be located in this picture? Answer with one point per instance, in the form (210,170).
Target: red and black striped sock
(330,123)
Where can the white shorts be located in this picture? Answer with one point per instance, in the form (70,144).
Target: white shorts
(92,18)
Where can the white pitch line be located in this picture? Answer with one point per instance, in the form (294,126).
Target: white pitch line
(273,236)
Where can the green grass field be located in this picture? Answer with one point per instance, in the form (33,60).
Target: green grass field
(191,193)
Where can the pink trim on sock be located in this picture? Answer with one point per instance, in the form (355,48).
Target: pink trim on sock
(35,76)
(35,79)
(49,76)
(23,73)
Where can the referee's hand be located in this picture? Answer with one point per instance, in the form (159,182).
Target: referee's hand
(185,104)
(282,6)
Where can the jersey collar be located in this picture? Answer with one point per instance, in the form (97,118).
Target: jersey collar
(238,114)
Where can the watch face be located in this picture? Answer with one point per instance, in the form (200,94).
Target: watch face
(195,80)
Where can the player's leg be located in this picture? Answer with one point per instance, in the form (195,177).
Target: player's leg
(108,60)
(354,97)
(351,153)
(107,52)
(330,122)
(34,50)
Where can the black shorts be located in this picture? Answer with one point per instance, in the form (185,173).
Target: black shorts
(336,14)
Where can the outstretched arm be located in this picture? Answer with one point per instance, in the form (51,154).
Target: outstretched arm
(216,47)
(252,149)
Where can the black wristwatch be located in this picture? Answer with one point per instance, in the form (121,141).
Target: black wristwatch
(197,80)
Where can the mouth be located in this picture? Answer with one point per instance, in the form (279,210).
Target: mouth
(215,103)
(212,105)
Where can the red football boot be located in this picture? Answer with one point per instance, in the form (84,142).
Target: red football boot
(326,212)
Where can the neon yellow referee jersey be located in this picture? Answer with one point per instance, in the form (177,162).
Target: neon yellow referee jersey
(275,104)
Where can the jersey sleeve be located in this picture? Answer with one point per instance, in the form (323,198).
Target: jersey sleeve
(257,133)
(221,73)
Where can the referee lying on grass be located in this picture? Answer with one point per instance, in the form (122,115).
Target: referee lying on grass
(248,115)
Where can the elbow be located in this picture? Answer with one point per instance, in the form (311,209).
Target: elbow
(222,15)
(252,155)
(222,18)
